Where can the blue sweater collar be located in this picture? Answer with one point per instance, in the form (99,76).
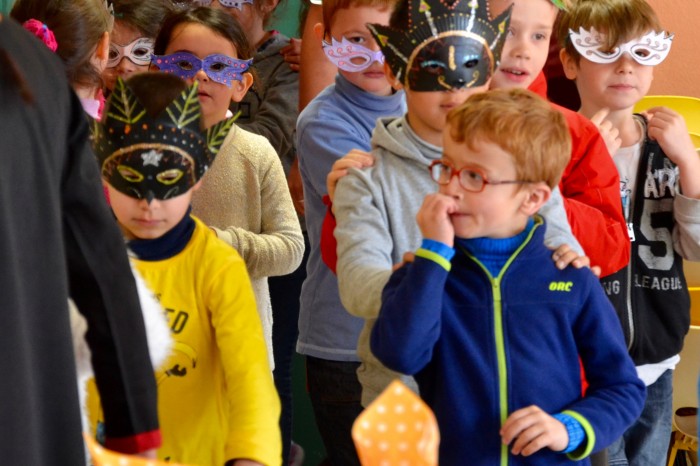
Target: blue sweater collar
(168,245)
(493,253)
(365,99)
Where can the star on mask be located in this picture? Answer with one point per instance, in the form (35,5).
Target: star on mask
(152,157)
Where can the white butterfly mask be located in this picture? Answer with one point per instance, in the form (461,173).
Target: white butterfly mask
(650,49)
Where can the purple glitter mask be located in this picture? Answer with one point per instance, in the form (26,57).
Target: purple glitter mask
(351,57)
(219,68)
(226,3)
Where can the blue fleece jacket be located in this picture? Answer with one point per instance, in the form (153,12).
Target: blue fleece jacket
(482,347)
(339,119)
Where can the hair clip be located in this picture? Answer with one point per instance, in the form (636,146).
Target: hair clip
(42,31)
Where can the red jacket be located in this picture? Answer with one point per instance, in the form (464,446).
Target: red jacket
(590,187)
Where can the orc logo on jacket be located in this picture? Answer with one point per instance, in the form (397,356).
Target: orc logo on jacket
(561,286)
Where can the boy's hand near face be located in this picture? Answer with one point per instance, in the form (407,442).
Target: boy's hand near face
(609,133)
(434,220)
(528,430)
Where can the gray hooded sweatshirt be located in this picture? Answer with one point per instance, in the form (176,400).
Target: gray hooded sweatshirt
(375,210)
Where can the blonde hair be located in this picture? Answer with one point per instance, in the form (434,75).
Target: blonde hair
(521,123)
(618,20)
(330,7)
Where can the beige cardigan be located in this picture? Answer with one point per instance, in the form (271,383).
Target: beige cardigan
(244,197)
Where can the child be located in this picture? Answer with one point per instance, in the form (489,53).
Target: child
(53,211)
(217,397)
(494,347)
(339,119)
(80,30)
(269,109)
(590,184)
(376,207)
(131,42)
(610,50)
(245,198)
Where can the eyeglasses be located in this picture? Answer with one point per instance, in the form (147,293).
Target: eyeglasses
(470,179)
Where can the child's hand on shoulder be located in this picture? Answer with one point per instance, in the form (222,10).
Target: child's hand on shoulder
(353,159)
(564,256)
(292,53)
(668,128)
(434,219)
(528,430)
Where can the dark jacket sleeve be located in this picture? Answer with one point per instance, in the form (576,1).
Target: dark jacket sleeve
(103,288)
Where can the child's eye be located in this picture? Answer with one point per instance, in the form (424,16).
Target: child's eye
(472,175)
(356,39)
(169,177)
(471,63)
(642,53)
(129,174)
(185,65)
(218,66)
(113,53)
(433,66)
(141,52)
(511,32)
(539,36)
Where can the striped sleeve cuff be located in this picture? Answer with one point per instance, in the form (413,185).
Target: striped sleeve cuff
(437,252)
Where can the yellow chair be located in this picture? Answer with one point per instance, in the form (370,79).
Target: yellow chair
(689,107)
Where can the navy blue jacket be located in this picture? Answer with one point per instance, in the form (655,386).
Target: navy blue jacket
(482,347)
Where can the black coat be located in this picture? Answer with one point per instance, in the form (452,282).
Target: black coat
(58,238)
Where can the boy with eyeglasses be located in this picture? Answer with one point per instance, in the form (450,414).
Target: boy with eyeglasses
(488,325)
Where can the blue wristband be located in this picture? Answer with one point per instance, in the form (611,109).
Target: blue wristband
(575,430)
(438,248)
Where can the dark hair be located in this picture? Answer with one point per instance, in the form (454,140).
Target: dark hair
(155,90)
(78,25)
(399,17)
(144,15)
(218,21)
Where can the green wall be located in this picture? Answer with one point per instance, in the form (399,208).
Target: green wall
(286,19)
(5,6)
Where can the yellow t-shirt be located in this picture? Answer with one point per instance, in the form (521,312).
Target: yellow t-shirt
(216,397)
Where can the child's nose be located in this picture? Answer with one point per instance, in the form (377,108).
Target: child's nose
(125,66)
(520,48)
(201,76)
(625,63)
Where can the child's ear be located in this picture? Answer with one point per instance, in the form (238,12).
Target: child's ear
(538,194)
(319,31)
(569,64)
(101,55)
(269,7)
(395,83)
(241,87)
